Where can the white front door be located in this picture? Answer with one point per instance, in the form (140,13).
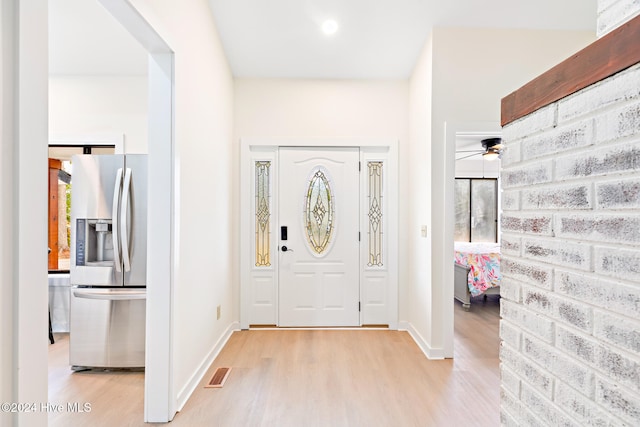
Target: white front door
(318,237)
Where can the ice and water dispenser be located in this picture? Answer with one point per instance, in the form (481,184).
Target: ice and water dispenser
(94,243)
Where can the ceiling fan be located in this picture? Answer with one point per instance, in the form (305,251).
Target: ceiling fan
(491,150)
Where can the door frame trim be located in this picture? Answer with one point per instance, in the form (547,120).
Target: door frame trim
(250,146)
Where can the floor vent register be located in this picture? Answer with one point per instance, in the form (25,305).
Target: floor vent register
(219,377)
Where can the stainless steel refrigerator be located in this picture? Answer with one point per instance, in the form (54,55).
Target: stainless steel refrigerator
(108,261)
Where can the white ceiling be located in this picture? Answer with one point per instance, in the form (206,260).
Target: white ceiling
(282,38)
(84,39)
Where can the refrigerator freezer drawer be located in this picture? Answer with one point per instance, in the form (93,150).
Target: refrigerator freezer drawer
(107,327)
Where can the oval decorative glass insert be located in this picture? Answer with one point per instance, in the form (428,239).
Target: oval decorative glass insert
(319,212)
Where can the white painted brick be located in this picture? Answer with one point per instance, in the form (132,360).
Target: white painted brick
(510,200)
(616,262)
(525,271)
(569,137)
(615,14)
(509,380)
(618,123)
(618,194)
(544,408)
(510,403)
(600,228)
(619,366)
(509,356)
(511,152)
(510,289)
(574,196)
(531,420)
(539,120)
(528,320)
(603,161)
(514,408)
(565,368)
(507,420)
(600,292)
(541,224)
(618,401)
(558,252)
(585,410)
(581,346)
(615,364)
(570,312)
(510,244)
(605,4)
(570,341)
(537,377)
(620,87)
(510,334)
(537,173)
(617,330)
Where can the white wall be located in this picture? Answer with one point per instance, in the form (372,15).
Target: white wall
(268,108)
(100,105)
(7,220)
(329,109)
(23,161)
(472,69)
(417,297)
(205,169)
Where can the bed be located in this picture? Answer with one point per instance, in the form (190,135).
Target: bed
(477,271)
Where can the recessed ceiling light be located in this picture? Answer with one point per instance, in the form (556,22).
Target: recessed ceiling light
(329,27)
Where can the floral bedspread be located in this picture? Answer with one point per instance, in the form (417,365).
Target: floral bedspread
(484,270)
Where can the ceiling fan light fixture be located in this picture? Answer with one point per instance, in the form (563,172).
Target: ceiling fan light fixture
(491,154)
(493,148)
(492,143)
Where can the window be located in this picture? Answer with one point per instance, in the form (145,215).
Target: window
(476,207)
(59,201)
(263,213)
(374,199)
(319,212)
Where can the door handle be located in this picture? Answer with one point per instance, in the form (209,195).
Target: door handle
(124,228)
(117,194)
(111,296)
(286,249)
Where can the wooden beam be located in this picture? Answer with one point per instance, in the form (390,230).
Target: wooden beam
(614,52)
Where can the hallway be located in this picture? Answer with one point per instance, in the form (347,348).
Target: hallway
(316,378)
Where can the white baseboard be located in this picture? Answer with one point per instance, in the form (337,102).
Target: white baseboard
(197,376)
(431,353)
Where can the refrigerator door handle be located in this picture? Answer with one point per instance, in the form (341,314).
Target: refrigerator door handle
(111,296)
(124,229)
(117,192)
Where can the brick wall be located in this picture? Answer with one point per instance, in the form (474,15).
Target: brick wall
(570,328)
(613,13)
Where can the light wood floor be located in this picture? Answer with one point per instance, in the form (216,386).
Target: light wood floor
(313,378)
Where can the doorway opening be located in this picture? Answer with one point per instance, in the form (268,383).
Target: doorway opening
(157,126)
(474,208)
(318,281)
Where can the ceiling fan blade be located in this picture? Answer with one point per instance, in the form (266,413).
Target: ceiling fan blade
(469,155)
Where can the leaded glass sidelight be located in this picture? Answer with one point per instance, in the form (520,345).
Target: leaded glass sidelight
(319,212)
(375,214)
(263,214)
